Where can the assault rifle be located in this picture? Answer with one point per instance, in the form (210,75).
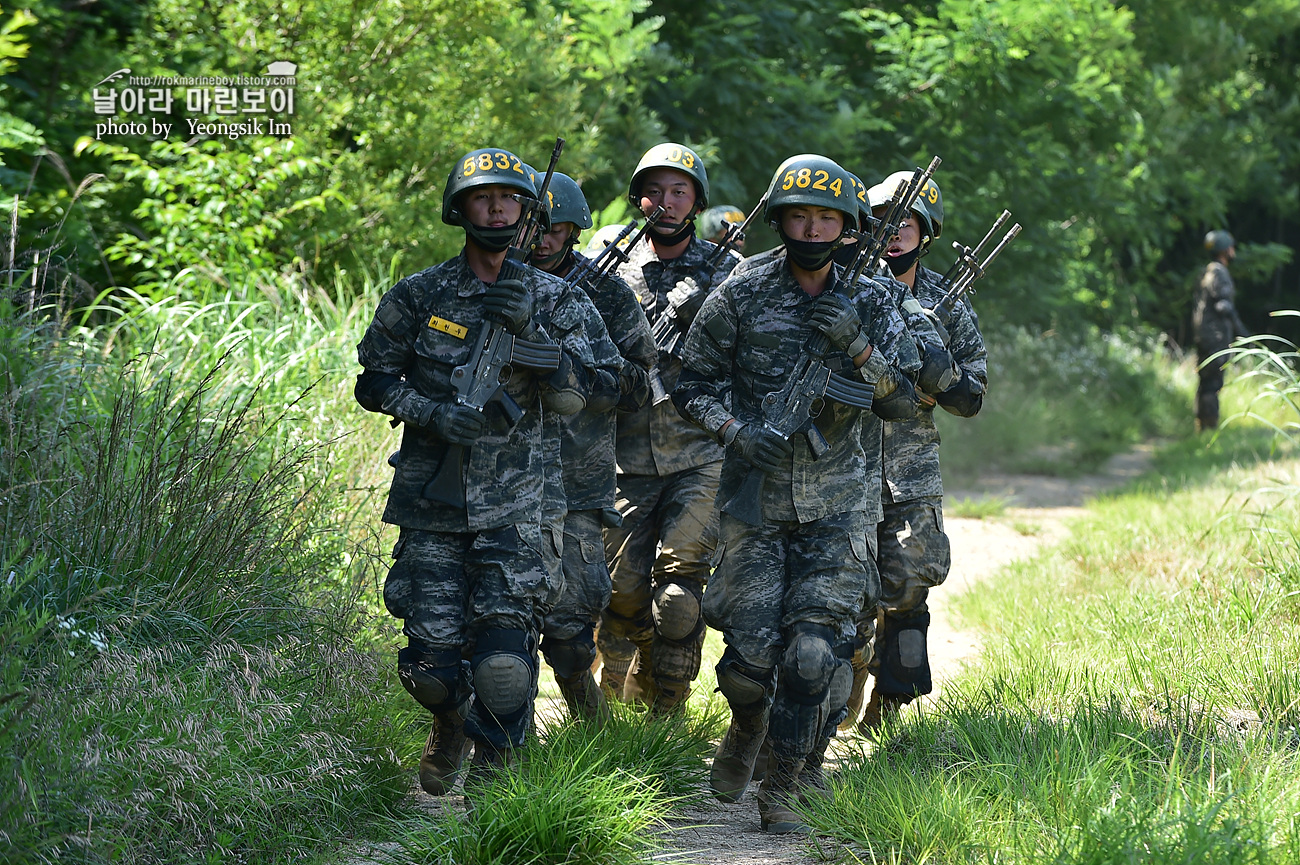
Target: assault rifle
(886,228)
(668,332)
(481,379)
(613,255)
(968,268)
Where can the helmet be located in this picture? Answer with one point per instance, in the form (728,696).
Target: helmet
(813,180)
(714,221)
(864,206)
(603,238)
(669,155)
(568,204)
(482,168)
(1218,241)
(928,204)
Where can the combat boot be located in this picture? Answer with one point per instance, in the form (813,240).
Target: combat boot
(613,675)
(812,778)
(488,764)
(640,686)
(778,795)
(880,709)
(584,698)
(444,752)
(670,695)
(733,762)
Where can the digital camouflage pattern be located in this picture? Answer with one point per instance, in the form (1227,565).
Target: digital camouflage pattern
(586,587)
(745,342)
(1214,318)
(912,446)
(423,328)
(914,554)
(657,440)
(589,437)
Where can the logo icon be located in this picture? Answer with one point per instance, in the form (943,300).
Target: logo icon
(116,75)
(282,68)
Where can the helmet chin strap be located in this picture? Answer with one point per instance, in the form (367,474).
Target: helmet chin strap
(687,230)
(491,239)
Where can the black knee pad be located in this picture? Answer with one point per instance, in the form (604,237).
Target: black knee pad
(904,656)
(569,658)
(677,611)
(434,679)
(741,683)
(808,663)
(504,672)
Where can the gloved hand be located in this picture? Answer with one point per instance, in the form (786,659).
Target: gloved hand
(762,448)
(458,424)
(685,299)
(508,301)
(938,371)
(834,316)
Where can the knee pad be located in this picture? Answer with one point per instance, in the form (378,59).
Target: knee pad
(740,683)
(569,658)
(676,611)
(904,657)
(808,663)
(503,671)
(434,679)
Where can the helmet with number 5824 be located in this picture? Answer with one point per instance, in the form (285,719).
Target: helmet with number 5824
(483,167)
(676,156)
(928,205)
(812,180)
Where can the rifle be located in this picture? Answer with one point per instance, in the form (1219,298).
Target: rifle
(614,254)
(667,331)
(886,228)
(481,379)
(968,268)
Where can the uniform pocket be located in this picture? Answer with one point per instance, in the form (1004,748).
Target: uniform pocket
(861,549)
(592,552)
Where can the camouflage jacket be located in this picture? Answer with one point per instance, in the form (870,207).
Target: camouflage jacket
(912,446)
(747,338)
(1214,318)
(657,440)
(424,327)
(588,437)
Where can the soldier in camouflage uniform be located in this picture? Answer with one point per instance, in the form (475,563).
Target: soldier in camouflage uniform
(787,591)
(668,468)
(471,580)
(587,447)
(715,221)
(1216,323)
(914,553)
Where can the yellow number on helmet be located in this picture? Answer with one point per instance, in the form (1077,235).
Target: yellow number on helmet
(688,159)
(837,186)
(516,165)
(803,178)
(675,155)
(820,181)
(485,161)
(468,168)
(788,181)
(503,161)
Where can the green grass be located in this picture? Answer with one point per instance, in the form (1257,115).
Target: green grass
(980,508)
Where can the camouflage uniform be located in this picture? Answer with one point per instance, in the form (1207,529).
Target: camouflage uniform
(914,553)
(786,594)
(667,480)
(1216,323)
(469,581)
(587,446)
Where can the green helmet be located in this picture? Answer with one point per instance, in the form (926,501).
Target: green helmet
(568,204)
(714,221)
(482,168)
(670,155)
(864,206)
(1217,242)
(813,180)
(928,205)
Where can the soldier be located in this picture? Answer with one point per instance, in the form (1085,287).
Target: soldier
(914,553)
(668,468)
(715,221)
(471,579)
(587,450)
(787,591)
(1216,323)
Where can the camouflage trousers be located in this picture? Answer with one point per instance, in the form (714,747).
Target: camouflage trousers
(1209,383)
(914,557)
(586,590)
(660,553)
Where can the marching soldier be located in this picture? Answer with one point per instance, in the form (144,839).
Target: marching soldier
(1216,323)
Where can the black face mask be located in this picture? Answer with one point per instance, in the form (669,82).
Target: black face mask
(845,255)
(491,239)
(900,264)
(686,230)
(809,254)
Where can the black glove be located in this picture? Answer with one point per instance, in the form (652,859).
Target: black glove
(937,369)
(685,299)
(834,316)
(458,424)
(762,448)
(508,301)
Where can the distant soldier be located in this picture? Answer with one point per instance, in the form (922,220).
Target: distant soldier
(668,468)
(1216,324)
(587,451)
(471,580)
(715,221)
(793,567)
(914,553)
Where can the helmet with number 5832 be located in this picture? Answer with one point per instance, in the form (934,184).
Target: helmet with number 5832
(676,156)
(928,205)
(812,180)
(483,167)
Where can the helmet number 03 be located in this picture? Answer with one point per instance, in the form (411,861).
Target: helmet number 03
(805,177)
(681,156)
(498,159)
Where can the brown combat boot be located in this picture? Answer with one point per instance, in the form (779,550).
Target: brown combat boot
(778,795)
(669,696)
(444,752)
(733,762)
(613,675)
(584,698)
(860,675)
(880,709)
(812,778)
